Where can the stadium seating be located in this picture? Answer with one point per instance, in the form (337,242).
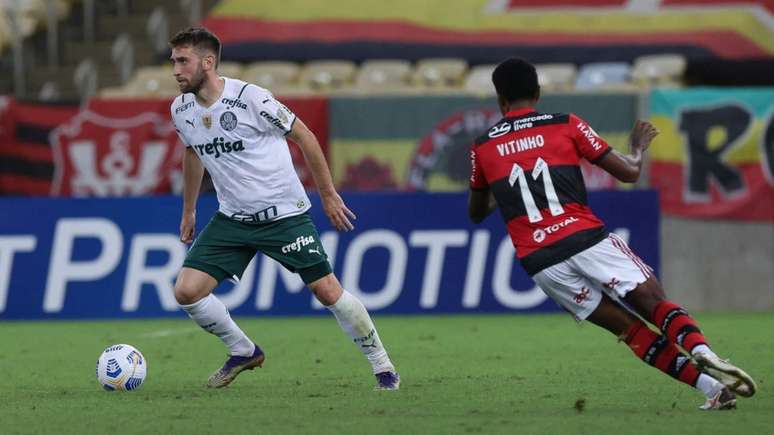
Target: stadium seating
(459,41)
(479,81)
(662,69)
(556,76)
(230,69)
(152,81)
(119,93)
(383,76)
(400,77)
(32,14)
(604,76)
(275,76)
(327,75)
(440,73)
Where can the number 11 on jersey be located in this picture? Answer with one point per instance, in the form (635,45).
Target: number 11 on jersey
(541,168)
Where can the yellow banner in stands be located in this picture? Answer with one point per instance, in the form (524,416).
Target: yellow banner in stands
(475,15)
(668,146)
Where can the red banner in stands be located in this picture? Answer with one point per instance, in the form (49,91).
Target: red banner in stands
(314,113)
(26,162)
(117,148)
(714,157)
(110,148)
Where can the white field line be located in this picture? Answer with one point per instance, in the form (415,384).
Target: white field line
(162,333)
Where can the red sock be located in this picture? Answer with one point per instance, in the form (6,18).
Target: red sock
(675,323)
(657,351)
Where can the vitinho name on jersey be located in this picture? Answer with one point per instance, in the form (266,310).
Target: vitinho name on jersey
(218,147)
(522,144)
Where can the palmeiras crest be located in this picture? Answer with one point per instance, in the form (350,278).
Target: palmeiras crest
(228,121)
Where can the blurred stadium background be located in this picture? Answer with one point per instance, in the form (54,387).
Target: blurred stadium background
(396,91)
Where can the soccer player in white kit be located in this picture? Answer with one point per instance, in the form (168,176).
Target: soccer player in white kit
(237,131)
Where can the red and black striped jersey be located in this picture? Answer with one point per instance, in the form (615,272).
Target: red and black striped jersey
(531,162)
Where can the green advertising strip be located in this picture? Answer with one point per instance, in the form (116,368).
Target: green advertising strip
(760,101)
(422,143)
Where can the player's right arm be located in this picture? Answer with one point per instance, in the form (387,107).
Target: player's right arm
(193,171)
(627,167)
(481,202)
(274,118)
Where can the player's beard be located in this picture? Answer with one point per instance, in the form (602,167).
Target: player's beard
(195,83)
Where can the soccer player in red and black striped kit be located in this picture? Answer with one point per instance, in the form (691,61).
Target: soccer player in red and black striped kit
(527,164)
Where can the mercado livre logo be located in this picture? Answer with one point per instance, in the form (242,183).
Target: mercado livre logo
(219,146)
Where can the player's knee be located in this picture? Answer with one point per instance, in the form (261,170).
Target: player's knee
(192,285)
(186,294)
(327,289)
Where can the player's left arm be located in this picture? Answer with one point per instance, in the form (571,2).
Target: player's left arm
(627,167)
(624,167)
(341,217)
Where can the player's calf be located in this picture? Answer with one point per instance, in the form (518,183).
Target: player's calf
(679,327)
(657,351)
(660,353)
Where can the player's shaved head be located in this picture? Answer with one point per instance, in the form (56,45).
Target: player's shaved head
(516,79)
(201,39)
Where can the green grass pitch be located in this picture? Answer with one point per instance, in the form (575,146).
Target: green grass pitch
(528,374)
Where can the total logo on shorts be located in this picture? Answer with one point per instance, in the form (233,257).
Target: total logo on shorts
(540,234)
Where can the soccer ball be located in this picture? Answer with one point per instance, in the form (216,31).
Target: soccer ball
(121,367)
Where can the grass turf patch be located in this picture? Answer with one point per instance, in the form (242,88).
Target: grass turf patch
(533,374)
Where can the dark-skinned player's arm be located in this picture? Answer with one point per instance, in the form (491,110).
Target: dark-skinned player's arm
(340,216)
(627,167)
(481,203)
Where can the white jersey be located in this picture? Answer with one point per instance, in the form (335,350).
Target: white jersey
(240,140)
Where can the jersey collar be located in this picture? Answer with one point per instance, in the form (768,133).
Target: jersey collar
(519,112)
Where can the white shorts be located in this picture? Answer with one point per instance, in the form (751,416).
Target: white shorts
(577,283)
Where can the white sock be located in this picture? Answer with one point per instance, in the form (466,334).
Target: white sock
(702,348)
(210,313)
(355,321)
(708,385)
